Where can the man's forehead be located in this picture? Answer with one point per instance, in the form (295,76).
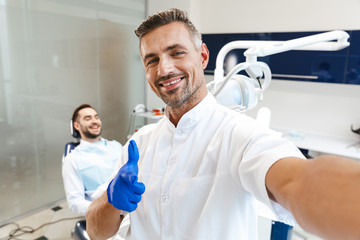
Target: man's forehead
(164,37)
(87,112)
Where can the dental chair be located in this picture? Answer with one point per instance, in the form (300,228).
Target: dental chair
(79,231)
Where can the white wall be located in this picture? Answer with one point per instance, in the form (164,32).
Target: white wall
(328,109)
(234,16)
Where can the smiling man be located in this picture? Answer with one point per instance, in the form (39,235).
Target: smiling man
(173,69)
(87,122)
(91,163)
(196,172)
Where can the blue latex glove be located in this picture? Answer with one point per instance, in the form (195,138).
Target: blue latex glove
(124,191)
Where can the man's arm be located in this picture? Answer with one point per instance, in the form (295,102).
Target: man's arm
(102,219)
(74,187)
(323,194)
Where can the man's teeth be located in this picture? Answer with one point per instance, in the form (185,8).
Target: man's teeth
(171,83)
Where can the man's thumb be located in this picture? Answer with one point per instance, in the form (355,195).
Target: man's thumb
(133,153)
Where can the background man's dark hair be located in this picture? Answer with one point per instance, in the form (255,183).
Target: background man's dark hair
(76,112)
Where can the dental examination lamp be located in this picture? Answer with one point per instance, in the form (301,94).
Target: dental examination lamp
(241,92)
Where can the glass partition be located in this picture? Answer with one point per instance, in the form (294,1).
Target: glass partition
(54,56)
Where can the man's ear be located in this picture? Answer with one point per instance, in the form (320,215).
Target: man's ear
(204,55)
(77,126)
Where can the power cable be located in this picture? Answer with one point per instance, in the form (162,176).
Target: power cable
(19,231)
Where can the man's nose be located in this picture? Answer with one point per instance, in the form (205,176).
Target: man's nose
(95,120)
(165,67)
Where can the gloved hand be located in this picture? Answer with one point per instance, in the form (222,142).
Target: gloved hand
(124,191)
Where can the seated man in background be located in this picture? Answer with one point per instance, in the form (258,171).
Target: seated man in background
(91,163)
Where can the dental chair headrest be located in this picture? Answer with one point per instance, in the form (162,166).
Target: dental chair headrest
(75,133)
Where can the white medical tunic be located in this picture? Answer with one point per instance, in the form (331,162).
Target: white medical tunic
(87,167)
(201,176)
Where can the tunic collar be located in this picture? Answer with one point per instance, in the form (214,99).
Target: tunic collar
(196,114)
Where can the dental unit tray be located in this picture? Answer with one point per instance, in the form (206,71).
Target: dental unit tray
(145,116)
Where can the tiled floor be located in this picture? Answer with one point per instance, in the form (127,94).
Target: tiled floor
(63,222)
(59,214)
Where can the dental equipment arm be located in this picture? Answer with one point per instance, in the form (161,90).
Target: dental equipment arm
(257,70)
(318,42)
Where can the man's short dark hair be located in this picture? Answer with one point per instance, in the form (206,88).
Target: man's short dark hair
(76,112)
(166,17)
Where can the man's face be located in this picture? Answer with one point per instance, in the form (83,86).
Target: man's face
(173,66)
(88,124)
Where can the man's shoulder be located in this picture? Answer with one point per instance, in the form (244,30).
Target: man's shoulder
(149,127)
(70,157)
(75,151)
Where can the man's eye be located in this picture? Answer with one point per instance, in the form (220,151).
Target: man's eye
(178,53)
(151,61)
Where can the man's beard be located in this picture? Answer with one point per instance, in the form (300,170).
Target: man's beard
(178,102)
(90,135)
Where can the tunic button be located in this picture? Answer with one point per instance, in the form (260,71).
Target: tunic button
(165,198)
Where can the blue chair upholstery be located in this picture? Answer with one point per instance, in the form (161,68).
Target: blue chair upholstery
(69,147)
(280,231)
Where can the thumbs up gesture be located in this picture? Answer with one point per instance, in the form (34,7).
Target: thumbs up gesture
(124,191)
